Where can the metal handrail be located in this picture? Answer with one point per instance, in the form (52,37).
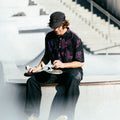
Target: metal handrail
(110,17)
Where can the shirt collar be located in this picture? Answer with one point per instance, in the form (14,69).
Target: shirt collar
(65,34)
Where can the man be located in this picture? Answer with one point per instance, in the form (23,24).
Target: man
(65,51)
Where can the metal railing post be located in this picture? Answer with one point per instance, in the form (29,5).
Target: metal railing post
(91,3)
(76,1)
(106,51)
(108,15)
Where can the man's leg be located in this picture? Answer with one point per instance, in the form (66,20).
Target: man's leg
(72,91)
(33,92)
(65,100)
(33,97)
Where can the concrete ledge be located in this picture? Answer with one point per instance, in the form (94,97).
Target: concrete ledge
(23,81)
(87,80)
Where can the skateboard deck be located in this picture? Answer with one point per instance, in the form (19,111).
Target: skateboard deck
(47,70)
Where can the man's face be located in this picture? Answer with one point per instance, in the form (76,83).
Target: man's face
(59,30)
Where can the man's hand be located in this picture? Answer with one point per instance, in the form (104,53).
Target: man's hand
(58,64)
(31,70)
(35,69)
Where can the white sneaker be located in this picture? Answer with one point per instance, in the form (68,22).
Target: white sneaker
(32,117)
(62,117)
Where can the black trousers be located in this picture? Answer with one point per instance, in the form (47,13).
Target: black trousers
(66,97)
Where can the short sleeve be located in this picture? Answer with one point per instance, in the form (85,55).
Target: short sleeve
(79,53)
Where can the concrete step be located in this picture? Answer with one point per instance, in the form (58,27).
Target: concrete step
(11,71)
(110,51)
(90,42)
(100,46)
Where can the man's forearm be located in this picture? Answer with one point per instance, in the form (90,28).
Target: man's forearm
(74,64)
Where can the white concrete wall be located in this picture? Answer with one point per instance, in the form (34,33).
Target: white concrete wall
(29,11)
(16,47)
(13,3)
(95,102)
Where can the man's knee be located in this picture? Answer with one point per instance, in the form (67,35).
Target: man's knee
(31,80)
(76,75)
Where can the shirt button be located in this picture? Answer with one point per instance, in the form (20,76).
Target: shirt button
(59,46)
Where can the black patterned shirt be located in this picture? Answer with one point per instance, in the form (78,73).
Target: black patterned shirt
(66,48)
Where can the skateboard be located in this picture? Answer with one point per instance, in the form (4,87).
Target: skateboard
(49,70)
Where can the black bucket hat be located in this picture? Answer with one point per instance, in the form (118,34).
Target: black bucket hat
(56,19)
